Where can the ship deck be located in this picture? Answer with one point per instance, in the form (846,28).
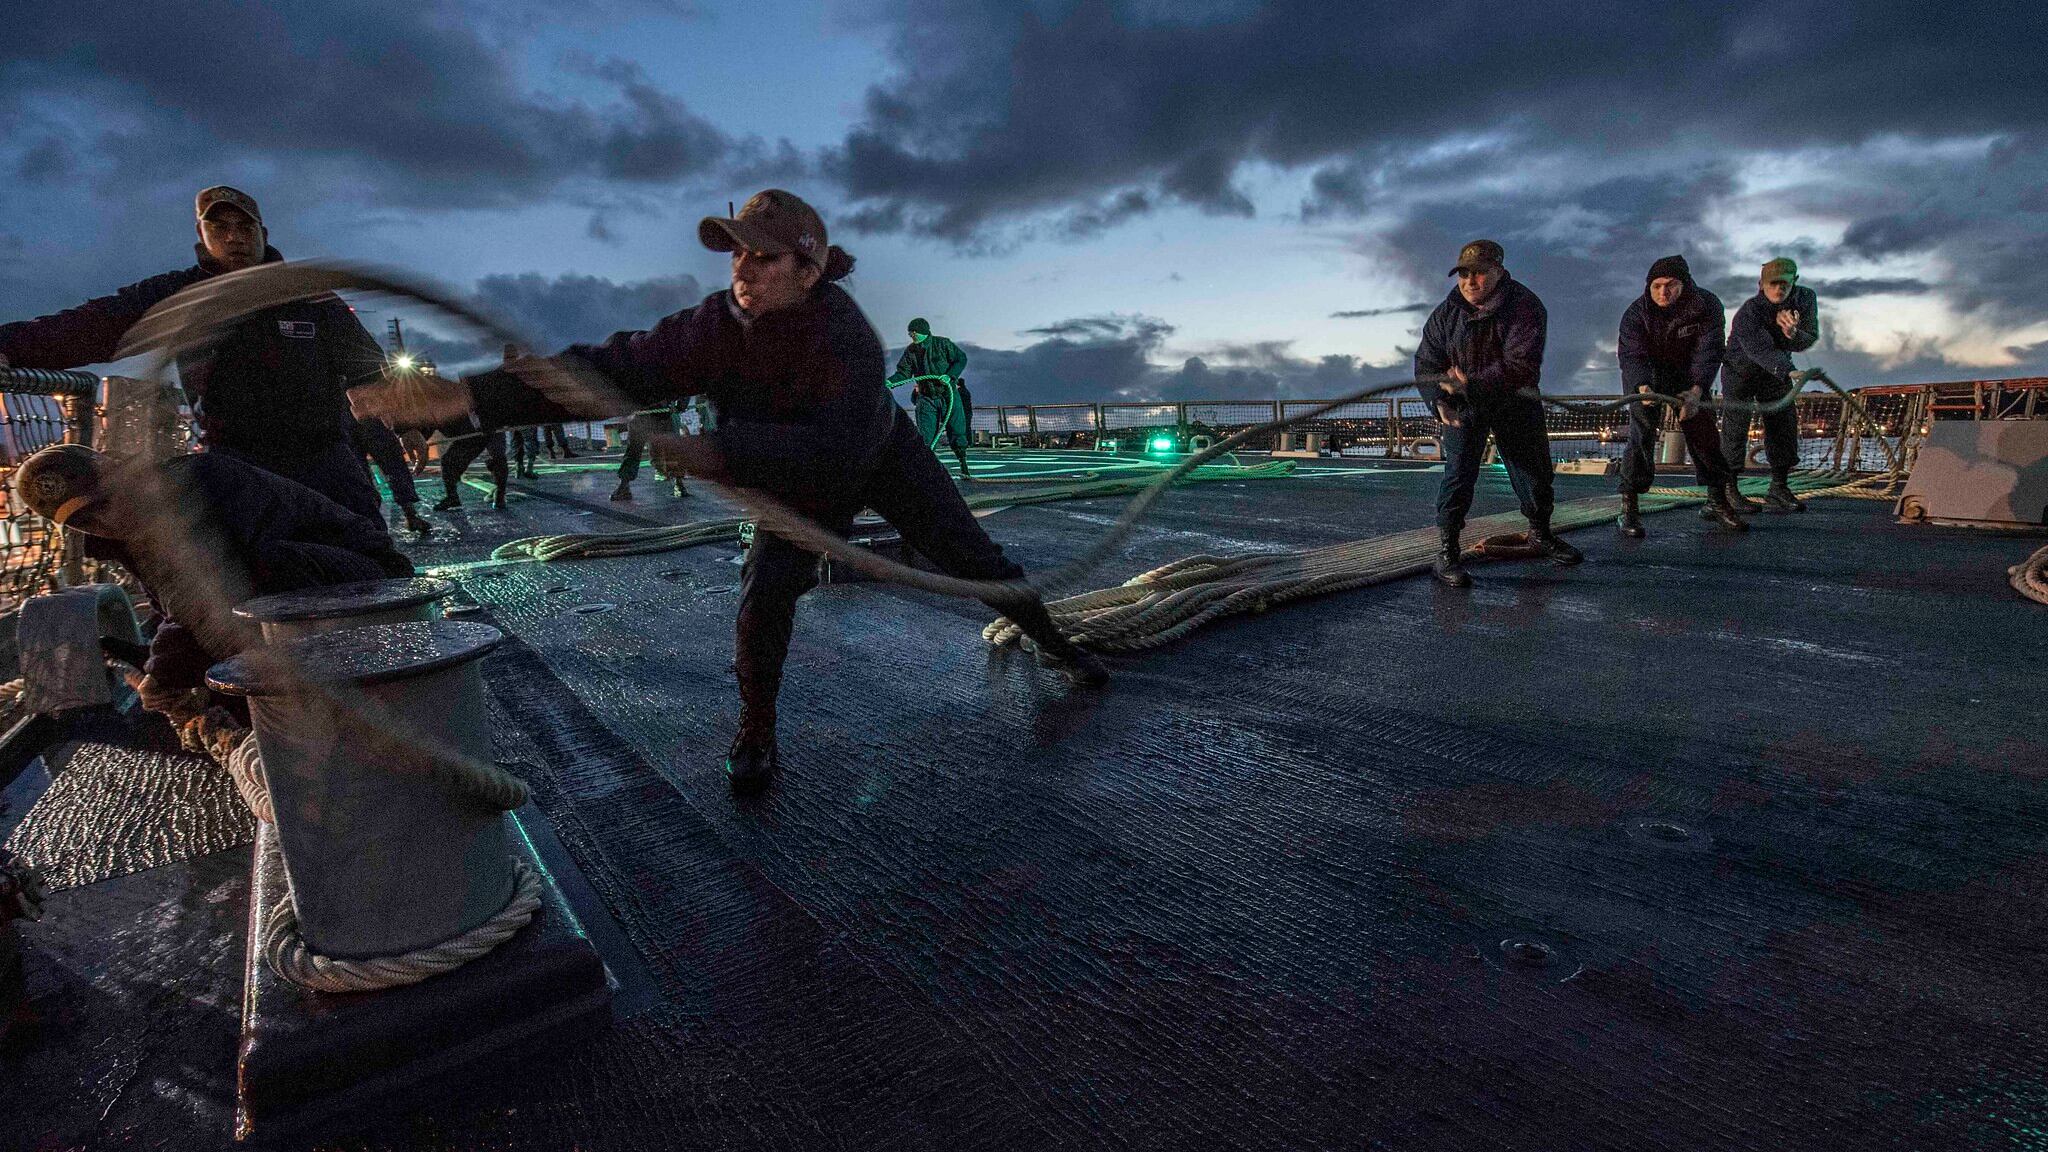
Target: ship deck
(1713,842)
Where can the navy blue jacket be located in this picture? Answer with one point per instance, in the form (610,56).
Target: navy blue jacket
(1498,345)
(242,512)
(1758,352)
(1671,349)
(801,408)
(273,388)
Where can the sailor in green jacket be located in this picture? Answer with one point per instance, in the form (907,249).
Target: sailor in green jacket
(943,404)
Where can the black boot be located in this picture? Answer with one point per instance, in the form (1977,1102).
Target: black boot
(1055,652)
(680,491)
(1742,504)
(1631,520)
(965,475)
(448,503)
(1448,568)
(1559,552)
(623,492)
(416,522)
(1779,498)
(751,762)
(1718,510)
(498,496)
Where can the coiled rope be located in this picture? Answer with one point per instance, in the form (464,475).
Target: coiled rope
(288,955)
(2029,577)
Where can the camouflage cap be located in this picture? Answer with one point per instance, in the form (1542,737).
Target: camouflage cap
(772,222)
(1480,254)
(59,480)
(220,194)
(1781,268)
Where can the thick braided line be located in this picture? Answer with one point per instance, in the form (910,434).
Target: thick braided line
(2029,577)
(288,955)
(245,768)
(1168,602)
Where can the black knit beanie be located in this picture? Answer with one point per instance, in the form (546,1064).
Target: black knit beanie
(1672,266)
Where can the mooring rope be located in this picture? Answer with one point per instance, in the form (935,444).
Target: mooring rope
(1160,606)
(288,954)
(2029,577)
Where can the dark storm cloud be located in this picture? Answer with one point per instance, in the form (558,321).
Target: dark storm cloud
(408,99)
(1118,358)
(1003,110)
(554,312)
(581,309)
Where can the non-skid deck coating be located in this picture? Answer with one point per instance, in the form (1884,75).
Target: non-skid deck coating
(1714,842)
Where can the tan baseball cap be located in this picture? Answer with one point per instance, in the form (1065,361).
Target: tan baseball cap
(773,222)
(1780,269)
(221,194)
(1481,254)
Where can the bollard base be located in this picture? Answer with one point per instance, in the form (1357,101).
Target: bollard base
(309,1058)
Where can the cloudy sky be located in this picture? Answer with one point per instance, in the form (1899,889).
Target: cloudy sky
(1172,198)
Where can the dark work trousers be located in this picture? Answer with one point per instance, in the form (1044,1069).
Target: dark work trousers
(1702,443)
(910,490)
(1516,424)
(1781,428)
(381,445)
(458,454)
(641,427)
(335,470)
(525,448)
(553,436)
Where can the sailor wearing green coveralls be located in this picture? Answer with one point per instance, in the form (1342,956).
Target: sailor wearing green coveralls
(943,405)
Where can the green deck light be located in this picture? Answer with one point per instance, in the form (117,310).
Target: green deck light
(1162,443)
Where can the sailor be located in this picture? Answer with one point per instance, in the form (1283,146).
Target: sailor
(456,457)
(642,429)
(386,451)
(1478,365)
(271,392)
(1782,318)
(555,438)
(194,520)
(944,407)
(1671,344)
(794,372)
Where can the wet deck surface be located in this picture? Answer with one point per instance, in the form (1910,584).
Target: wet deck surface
(1714,842)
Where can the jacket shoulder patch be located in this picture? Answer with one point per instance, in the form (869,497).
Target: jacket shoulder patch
(296,329)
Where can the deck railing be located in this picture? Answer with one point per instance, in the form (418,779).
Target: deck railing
(1830,435)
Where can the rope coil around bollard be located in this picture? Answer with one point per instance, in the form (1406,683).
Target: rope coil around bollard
(288,955)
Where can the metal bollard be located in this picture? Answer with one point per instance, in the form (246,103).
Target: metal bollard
(383,857)
(290,615)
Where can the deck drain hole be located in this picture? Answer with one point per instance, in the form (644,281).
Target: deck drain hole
(462,609)
(593,609)
(554,588)
(1668,832)
(1528,953)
